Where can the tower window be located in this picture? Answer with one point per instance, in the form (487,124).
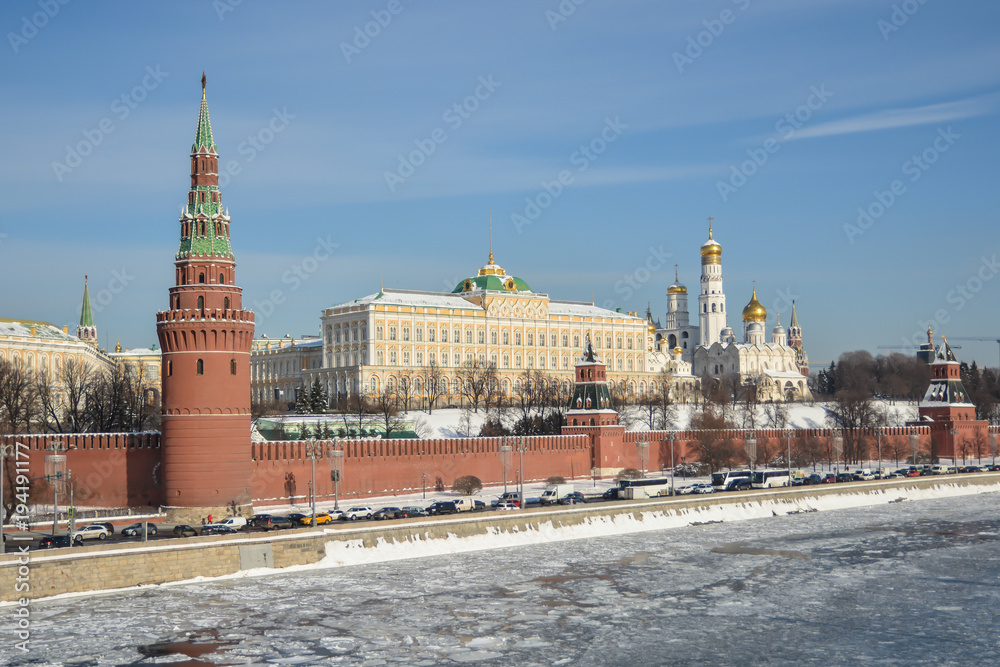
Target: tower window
(227,303)
(201,278)
(200,367)
(170,368)
(232,367)
(201,303)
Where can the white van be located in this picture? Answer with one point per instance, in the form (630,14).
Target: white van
(236,522)
(553,492)
(464,504)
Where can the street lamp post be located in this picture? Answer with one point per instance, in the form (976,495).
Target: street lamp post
(914,446)
(5,451)
(993,446)
(505,450)
(337,456)
(423,481)
(838,446)
(313,451)
(670,437)
(520,454)
(750,445)
(56,462)
(643,446)
(789,438)
(954,446)
(878,435)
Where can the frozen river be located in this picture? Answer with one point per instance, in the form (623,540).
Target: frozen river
(904,583)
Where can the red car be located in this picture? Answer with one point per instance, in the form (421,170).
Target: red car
(830,478)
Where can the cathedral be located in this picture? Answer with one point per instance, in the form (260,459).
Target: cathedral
(779,368)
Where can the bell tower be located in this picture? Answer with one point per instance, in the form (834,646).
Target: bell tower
(205,336)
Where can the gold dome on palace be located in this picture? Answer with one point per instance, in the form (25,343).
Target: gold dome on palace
(754,311)
(711,251)
(677,289)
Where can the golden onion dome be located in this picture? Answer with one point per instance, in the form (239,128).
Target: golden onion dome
(677,288)
(754,311)
(651,328)
(711,251)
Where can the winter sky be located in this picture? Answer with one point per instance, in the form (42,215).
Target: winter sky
(366,143)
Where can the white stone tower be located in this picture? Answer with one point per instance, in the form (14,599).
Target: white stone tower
(712,300)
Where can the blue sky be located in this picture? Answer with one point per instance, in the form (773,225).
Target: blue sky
(779,118)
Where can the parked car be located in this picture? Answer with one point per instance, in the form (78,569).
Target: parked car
(184,530)
(442,507)
(685,490)
(844,477)
(135,530)
(965,469)
(814,478)
(410,512)
(478,504)
(297,517)
(107,524)
(505,506)
(387,513)
(54,542)
(572,498)
(260,521)
(94,531)
(355,513)
(508,497)
(829,478)
(610,494)
(704,487)
(306,519)
(217,529)
(280,523)
(236,522)
(739,484)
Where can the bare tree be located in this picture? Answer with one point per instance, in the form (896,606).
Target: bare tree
(356,409)
(749,395)
(434,379)
(404,392)
(474,377)
(385,405)
(853,410)
(775,415)
(18,397)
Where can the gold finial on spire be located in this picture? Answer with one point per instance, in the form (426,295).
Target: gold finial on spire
(677,275)
(710,219)
(118,346)
(491,237)
(204,80)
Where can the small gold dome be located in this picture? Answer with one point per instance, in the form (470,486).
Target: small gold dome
(677,289)
(711,251)
(754,311)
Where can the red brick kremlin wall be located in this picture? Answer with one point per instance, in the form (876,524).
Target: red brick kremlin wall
(118,470)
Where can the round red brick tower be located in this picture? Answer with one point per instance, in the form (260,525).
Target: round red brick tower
(205,337)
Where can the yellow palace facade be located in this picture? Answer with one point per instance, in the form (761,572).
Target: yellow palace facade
(401,340)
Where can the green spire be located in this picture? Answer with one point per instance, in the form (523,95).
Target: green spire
(795,317)
(204,218)
(86,314)
(203,141)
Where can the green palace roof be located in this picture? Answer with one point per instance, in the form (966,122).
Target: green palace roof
(492,277)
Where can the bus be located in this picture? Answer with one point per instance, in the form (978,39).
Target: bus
(632,489)
(767,479)
(722,481)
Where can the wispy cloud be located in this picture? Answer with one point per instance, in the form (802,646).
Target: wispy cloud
(890,119)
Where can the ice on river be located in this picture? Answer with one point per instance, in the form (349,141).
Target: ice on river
(903,583)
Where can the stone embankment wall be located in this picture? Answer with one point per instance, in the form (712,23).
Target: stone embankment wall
(108,566)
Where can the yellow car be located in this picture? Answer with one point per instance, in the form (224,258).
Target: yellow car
(321,518)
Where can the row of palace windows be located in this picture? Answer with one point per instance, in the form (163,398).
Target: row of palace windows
(528,338)
(722,308)
(345,333)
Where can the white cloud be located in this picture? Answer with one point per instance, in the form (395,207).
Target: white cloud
(890,119)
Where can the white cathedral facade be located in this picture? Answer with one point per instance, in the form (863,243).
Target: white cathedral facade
(778,368)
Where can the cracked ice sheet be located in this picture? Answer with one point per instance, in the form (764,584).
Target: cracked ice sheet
(908,583)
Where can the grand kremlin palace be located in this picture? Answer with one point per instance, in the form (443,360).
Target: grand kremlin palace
(378,341)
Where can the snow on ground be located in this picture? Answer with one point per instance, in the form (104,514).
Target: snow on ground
(459,423)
